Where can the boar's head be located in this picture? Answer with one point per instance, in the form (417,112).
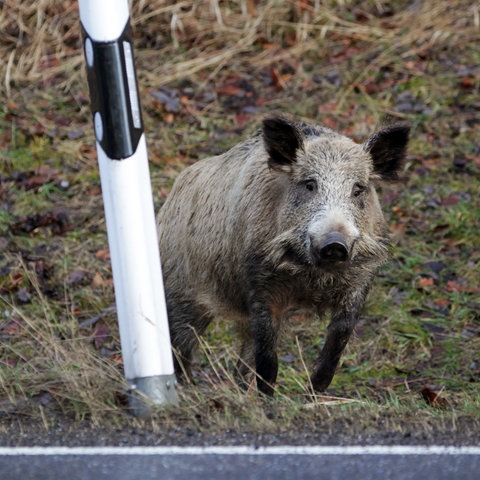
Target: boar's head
(329,215)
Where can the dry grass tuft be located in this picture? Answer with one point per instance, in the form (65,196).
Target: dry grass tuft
(57,367)
(41,42)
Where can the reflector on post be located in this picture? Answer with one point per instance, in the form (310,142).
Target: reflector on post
(127,196)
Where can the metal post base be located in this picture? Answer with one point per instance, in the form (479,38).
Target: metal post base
(149,392)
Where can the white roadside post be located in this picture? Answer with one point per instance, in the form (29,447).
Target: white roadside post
(127,196)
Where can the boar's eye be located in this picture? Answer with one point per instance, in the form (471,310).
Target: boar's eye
(358,190)
(310,185)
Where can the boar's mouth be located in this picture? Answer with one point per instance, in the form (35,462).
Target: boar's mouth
(297,260)
(291,255)
(284,254)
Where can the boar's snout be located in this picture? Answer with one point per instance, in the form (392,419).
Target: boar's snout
(331,238)
(331,248)
(334,248)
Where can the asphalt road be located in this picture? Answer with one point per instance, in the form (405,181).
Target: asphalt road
(242,463)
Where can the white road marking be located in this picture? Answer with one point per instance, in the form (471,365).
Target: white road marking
(246,450)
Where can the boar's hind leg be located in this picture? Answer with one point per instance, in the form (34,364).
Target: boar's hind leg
(338,333)
(187,324)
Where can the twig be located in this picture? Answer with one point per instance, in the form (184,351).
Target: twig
(96,318)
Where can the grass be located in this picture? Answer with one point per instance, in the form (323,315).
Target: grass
(207,75)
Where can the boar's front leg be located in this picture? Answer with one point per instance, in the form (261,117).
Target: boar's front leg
(338,333)
(265,334)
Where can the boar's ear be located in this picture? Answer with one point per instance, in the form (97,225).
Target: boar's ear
(387,148)
(282,139)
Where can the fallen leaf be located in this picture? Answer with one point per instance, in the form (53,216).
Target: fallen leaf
(49,61)
(169,118)
(230,89)
(467,82)
(168,99)
(103,254)
(426,282)
(251,7)
(75,134)
(217,405)
(434,398)
(24,295)
(434,266)
(450,200)
(453,286)
(442,302)
(100,335)
(13,107)
(98,281)
(279,80)
(242,119)
(289,358)
(11,283)
(12,327)
(57,221)
(304,5)
(88,152)
(76,276)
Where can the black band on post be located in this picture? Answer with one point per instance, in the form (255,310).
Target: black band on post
(114,95)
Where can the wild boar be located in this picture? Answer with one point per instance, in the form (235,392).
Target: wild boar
(286,220)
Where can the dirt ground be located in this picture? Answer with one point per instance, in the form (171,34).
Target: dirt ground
(17,432)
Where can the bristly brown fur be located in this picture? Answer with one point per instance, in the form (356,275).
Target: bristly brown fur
(241,239)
